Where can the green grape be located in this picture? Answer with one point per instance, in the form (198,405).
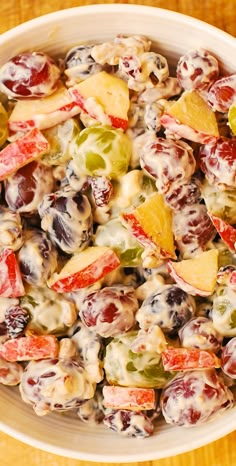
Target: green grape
(114,235)
(232,117)
(220,203)
(223,313)
(3,125)
(102,151)
(60,138)
(124,367)
(50,313)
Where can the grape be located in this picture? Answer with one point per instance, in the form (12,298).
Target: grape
(180,195)
(199,332)
(222,93)
(102,151)
(109,311)
(37,258)
(11,230)
(194,397)
(128,423)
(113,234)
(168,161)
(192,229)
(3,125)
(232,118)
(29,75)
(217,161)
(50,313)
(79,64)
(16,319)
(197,69)
(102,190)
(43,378)
(92,411)
(220,203)
(124,367)
(144,116)
(223,312)
(60,138)
(228,358)
(25,188)
(169,307)
(66,217)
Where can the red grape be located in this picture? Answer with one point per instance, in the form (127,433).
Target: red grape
(102,190)
(129,423)
(194,397)
(218,162)
(199,332)
(228,358)
(29,74)
(222,93)
(109,311)
(197,69)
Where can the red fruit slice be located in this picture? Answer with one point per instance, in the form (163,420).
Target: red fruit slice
(184,359)
(11,285)
(22,151)
(134,399)
(226,231)
(84,269)
(30,347)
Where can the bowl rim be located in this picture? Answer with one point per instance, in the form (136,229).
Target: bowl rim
(46,19)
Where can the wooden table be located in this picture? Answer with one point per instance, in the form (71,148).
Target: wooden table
(221,13)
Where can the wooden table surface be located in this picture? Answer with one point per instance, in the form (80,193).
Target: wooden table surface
(220,13)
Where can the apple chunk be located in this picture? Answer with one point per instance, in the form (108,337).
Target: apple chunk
(43,113)
(191,118)
(196,276)
(30,347)
(151,224)
(184,359)
(84,269)
(226,231)
(104,97)
(11,285)
(131,398)
(22,151)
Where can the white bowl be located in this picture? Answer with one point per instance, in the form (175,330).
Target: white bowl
(172,34)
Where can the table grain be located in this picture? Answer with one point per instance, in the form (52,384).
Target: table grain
(222,14)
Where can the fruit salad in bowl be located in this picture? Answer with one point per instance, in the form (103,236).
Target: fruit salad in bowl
(118,239)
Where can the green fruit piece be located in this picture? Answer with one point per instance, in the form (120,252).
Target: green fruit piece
(60,138)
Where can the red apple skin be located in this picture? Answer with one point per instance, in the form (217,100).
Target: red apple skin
(30,347)
(79,100)
(190,289)
(185,131)
(25,149)
(133,399)
(226,231)
(61,114)
(85,277)
(11,285)
(232,279)
(180,359)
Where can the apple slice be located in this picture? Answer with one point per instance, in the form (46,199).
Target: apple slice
(30,347)
(185,359)
(24,150)
(191,118)
(226,231)
(43,113)
(84,269)
(151,224)
(104,97)
(11,285)
(196,276)
(132,399)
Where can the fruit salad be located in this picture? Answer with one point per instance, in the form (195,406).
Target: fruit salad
(118,234)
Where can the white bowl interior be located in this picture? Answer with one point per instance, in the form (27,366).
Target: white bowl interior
(172,34)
